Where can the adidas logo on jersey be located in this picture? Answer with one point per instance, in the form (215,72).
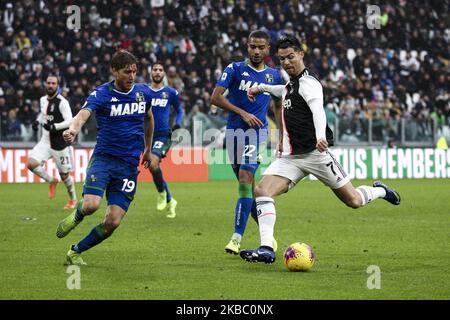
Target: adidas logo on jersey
(127,108)
(245,74)
(114,99)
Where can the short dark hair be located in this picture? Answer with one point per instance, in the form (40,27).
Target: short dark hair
(288,41)
(160,63)
(123,58)
(53,76)
(260,34)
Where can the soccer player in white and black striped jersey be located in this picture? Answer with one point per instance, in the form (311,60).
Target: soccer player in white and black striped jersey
(55,116)
(303,149)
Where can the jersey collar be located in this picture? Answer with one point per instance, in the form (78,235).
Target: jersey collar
(156,90)
(121,92)
(305,72)
(247,62)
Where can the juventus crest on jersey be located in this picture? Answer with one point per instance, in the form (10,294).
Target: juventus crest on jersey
(299,134)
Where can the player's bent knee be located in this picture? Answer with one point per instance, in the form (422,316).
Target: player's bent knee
(110,225)
(353,202)
(90,206)
(260,191)
(245,176)
(154,167)
(31,164)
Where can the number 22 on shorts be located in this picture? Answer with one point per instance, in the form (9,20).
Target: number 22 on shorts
(248,150)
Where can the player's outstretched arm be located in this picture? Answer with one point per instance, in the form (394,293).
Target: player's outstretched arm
(149,125)
(219,100)
(76,125)
(252,93)
(66,112)
(274,90)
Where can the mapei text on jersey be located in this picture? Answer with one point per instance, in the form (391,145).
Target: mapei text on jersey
(127,108)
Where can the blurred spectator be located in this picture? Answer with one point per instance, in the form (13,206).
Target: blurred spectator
(27,117)
(22,41)
(36,91)
(197,122)
(330,112)
(399,71)
(174,79)
(8,16)
(13,126)
(218,116)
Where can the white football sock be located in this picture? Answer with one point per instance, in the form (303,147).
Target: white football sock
(368,194)
(266,219)
(39,170)
(70,188)
(236,236)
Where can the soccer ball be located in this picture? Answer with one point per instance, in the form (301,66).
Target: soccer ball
(299,257)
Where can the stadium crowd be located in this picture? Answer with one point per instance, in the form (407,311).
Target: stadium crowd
(399,68)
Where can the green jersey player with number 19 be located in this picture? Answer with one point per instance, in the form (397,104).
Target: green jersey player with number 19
(125,126)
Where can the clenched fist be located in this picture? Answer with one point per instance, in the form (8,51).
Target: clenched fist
(69,135)
(322,145)
(252,93)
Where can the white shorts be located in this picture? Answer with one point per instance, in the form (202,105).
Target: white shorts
(63,158)
(323,166)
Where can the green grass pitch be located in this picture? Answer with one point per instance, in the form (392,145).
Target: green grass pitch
(152,257)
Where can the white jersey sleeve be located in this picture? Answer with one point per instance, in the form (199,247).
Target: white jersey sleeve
(275,90)
(311,91)
(66,112)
